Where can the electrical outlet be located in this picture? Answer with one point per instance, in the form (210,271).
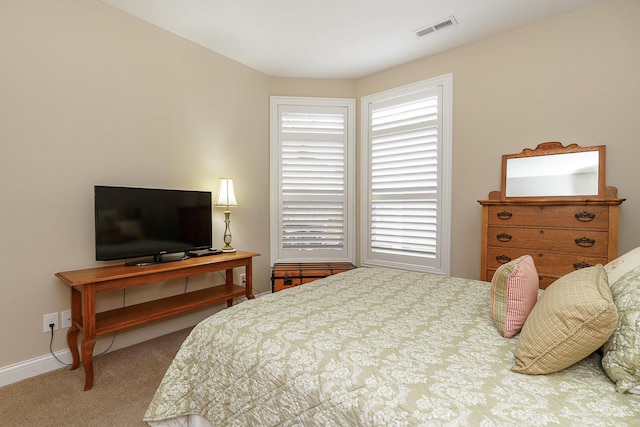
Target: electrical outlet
(65,319)
(48,319)
(243,279)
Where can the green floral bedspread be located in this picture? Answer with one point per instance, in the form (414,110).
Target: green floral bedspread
(374,347)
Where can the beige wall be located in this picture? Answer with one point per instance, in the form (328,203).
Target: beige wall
(574,79)
(321,88)
(89,95)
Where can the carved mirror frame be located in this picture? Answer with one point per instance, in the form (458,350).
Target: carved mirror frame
(556,168)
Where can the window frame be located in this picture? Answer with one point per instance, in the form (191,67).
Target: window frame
(278,253)
(441,263)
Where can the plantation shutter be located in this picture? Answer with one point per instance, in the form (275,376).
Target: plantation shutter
(404,176)
(313,184)
(403,171)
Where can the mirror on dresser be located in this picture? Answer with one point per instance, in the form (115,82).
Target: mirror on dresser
(553,205)
(552,170)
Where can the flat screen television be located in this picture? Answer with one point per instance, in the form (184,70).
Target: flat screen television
(146,222)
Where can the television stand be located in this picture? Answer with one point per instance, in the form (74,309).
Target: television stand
(86,284)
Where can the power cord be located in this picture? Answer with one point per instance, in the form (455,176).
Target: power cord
(113,339)
(51,325)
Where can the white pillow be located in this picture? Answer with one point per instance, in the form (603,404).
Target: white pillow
(622,265)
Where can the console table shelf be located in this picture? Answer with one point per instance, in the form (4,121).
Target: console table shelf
(126,317)
(85,284)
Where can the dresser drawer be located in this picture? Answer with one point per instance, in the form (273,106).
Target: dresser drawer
(547,263)
(593,217)
(575,241)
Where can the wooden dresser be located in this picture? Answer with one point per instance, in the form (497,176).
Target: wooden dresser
(562,234)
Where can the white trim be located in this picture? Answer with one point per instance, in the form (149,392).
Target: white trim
(126,338)
(33,367)
(445,82)
(276,252)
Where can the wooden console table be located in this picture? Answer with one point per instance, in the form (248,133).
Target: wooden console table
(85,284)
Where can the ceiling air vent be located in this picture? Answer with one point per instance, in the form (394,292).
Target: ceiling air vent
(448,22)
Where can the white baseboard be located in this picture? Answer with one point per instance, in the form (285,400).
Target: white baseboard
(30,368)
(43,364)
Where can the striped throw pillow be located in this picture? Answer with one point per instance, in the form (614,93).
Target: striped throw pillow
(514,291)
(572,318)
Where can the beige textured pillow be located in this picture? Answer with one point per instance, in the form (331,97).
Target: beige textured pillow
(572,318)
(514,291)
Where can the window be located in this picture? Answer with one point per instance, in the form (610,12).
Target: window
(312,179)
(405,166)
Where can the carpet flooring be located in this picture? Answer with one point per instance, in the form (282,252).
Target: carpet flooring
(124,384)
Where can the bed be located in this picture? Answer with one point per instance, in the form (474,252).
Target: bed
(374,347)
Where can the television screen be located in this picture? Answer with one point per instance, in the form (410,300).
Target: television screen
(138,222)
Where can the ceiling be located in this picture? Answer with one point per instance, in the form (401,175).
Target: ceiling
(342,39)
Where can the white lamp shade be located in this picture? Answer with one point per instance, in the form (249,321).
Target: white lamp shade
(226,195)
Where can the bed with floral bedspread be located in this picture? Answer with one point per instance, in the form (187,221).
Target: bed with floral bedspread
(374,347)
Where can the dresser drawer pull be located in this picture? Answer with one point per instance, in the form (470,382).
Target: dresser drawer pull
(503,259)
(585,216)
(504,215)
(579,265)
(585,242)
(504,237)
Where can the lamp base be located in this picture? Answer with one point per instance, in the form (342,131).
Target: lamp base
(227,248)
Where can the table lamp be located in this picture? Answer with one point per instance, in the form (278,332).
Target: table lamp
(226,198)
